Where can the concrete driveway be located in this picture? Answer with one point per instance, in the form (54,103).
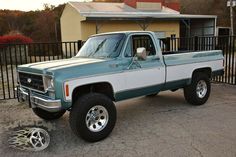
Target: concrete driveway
(163,126)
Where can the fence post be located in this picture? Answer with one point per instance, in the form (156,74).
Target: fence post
(234,59)
(168,44)
(79,44)
(196,43)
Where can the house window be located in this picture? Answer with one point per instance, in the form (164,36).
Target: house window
(160,35)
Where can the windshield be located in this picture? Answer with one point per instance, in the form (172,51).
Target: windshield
(103,46)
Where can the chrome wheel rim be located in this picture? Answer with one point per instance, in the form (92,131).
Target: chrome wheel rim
(39,139)
(97,118)
(201,89)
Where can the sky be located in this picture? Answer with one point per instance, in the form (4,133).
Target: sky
(27,5)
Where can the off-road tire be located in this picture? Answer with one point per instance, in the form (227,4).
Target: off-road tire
(48,115)
(190,92)
(79,112)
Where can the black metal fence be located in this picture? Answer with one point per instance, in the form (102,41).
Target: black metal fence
(12,55)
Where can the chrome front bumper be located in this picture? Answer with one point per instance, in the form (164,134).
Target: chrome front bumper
(46,104)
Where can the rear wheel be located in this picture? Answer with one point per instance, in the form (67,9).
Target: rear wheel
(198,92)
(48,115)
(93,117)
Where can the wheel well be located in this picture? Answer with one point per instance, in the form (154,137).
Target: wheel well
(103,88)
(207,71)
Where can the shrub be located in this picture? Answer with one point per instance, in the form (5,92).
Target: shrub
(18,39)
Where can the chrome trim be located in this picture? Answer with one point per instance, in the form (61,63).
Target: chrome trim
(97,118)
(201,89)
(49,105)
(44,84)
(35,90)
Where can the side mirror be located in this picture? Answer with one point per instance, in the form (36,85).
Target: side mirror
(141,53)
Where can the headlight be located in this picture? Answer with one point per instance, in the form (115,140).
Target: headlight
(49,82)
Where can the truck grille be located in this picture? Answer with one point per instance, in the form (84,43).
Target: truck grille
(31,81)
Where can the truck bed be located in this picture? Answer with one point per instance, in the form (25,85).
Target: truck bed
(188,57)
(180,65)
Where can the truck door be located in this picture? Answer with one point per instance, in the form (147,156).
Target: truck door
(143,76)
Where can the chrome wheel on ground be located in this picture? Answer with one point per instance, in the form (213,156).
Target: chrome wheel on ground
(97,118)
(39,139)
(29,139)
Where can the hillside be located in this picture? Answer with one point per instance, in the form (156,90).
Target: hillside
(41,25)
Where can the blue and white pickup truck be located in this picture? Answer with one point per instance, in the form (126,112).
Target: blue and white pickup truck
(112,67)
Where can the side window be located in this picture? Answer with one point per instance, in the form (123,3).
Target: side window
(144,41)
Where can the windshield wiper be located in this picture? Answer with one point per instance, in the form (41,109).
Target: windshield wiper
(98,48)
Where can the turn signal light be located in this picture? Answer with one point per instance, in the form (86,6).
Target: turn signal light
(67,90)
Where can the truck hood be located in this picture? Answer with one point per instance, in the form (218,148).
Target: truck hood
(55,66)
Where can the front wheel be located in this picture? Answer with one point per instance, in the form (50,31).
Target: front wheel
(198,92)
(93,117)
